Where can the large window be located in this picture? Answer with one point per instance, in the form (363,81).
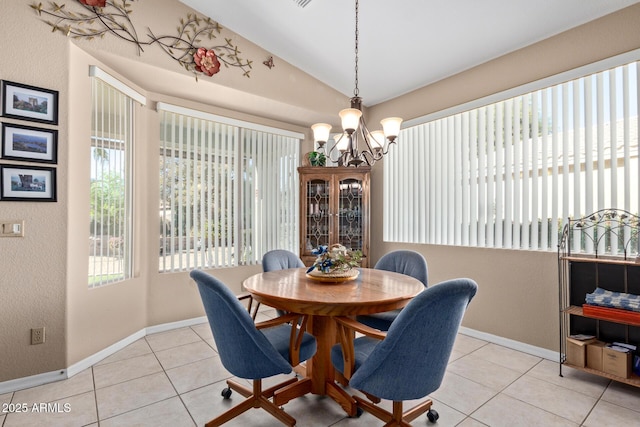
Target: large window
(228,190)
(110,250)
(509,173)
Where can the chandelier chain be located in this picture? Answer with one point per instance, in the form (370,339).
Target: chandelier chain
(356,91)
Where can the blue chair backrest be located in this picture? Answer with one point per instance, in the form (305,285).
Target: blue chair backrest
(406,262)
(244,350)
(280,259)
(411,361)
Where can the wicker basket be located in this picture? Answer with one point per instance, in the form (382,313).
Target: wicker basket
(334,276)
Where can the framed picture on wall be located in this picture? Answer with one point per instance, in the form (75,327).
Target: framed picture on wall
(29,103)
(29,143)
(27,183)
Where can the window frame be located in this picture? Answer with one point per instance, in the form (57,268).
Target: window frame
(101,80)
(239,199)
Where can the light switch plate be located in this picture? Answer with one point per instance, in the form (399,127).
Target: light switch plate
(12,228)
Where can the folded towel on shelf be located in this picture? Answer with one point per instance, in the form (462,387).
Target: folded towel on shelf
(605,298)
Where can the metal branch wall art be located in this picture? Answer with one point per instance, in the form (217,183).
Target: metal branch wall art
(95,18)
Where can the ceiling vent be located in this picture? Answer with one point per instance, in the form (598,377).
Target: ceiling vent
(302,3)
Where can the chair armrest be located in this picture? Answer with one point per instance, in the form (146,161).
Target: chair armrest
(244,295)
(347,328)
(356,326)
(254,312)
(297,332)
(280,320)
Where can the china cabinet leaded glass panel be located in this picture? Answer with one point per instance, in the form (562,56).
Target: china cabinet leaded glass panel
(317,217)
(334,209)
(350,213)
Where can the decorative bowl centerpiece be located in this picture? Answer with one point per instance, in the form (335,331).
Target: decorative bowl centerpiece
(335,264)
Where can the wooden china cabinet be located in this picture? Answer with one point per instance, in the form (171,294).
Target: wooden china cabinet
(334,208)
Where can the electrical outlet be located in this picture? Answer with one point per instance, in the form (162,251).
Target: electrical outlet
(37,336)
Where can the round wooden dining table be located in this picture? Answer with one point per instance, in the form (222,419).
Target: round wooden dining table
(291,290)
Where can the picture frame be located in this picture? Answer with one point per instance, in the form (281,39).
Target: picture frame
(21,183)
(24,102)
(29,143)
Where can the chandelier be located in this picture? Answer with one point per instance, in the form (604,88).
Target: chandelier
(356,144)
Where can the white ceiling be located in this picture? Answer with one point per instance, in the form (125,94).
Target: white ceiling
(403,44)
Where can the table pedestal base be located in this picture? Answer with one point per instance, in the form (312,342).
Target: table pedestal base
(297,389)
(318,370)
(343,398)
(302,387)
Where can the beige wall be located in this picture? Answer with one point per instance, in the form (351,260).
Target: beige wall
(43,275)
(33,269)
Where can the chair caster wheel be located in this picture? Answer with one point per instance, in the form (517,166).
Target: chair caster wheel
(433,415)
(226,393)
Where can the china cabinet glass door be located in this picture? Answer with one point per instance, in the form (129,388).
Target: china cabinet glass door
(318,213)
(349,214)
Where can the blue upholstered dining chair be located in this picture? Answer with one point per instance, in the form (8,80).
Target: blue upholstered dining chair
(409,360)
(252,351)
(406,262)
(280,259)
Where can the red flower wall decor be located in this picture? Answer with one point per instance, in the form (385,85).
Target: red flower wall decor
(96,3)
(206,61)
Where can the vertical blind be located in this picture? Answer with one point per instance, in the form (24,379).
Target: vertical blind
(228,192)
(110,253)
(508,174)
(271,202)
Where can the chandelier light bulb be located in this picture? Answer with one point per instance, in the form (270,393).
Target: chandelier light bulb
(391,127)
(377,139)
(342,141)
(321,132)
(350,118)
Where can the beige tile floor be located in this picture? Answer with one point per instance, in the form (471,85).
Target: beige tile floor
(175,378)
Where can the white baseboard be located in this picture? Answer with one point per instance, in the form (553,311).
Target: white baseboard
(103,354)
(49,377)
(512,344)
(92,360)
(176,325)
(63,374)
(32,381)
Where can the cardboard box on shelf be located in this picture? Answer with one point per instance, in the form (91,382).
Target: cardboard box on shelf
(594,355)
(576,352)
(616,363)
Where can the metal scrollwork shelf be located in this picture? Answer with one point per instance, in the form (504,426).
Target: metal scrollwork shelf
(598,250)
